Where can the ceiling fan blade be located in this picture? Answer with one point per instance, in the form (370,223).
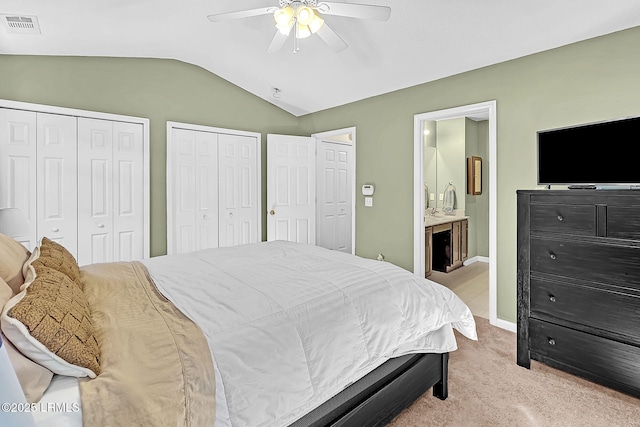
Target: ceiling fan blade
(277,42)
(241,14)
(331,38)
(353,10)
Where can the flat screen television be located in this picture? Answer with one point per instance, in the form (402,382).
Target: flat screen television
(601,153)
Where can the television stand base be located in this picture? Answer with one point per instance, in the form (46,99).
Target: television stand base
(582,187)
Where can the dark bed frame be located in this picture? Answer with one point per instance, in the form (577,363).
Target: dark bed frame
(381,395)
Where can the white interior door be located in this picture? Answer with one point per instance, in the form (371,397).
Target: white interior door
(334,195)
(194,192)
(291,188)
(128,200)
(238,189)
(18,167)
(57,180)
(95,191)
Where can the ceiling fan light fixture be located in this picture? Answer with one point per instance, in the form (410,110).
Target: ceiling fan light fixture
(316,24)
(305,15)
(283,16)
(303,31)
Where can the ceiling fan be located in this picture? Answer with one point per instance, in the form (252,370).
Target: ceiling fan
(305,17)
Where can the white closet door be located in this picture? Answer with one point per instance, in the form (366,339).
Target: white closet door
(128,200)
(238,190)
(194,191)
(95,191)
(334,195)
(18,167)
(206,189)
(57,180)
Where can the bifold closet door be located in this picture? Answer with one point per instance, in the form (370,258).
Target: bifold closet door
(238,190)
(194,190)
(110,186)
(57,180)
(18,167)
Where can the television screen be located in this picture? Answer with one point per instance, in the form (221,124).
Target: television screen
(595,153)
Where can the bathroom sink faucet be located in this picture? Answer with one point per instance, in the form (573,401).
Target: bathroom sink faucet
(433,211)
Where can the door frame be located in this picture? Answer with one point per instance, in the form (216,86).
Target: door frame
(337,132)
(169,173)
(488,108)
(145,122)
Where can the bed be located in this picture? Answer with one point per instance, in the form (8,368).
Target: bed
(268,334)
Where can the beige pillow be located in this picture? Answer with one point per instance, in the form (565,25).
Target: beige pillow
(34,379)
(50,323)
(57,257)
(12,257)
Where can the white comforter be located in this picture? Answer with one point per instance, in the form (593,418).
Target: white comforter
(291,325)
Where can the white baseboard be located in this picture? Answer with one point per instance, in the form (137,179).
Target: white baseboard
(503,324)
(476,258)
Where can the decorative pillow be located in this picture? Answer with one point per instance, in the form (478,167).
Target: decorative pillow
(57,257)
(12,257)
(34,379)
(50,323)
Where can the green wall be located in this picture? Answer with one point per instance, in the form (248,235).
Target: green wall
(593,80)
(158,89)
(588,81)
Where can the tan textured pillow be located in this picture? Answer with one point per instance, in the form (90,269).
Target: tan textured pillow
(34,379)
(12,257)
(50,323)
(57,257)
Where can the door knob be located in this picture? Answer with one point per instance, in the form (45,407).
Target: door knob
(272,212)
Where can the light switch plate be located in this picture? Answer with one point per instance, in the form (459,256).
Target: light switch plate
(368,202)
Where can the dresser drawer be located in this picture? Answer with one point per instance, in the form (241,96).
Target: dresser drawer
(570,219)
(599,308)
(597,262)
(603,358)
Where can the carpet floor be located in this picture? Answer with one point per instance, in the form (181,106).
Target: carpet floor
(488,388)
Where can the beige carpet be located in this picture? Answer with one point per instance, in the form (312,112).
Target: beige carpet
(488,388)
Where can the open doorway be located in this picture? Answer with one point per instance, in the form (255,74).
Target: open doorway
(481,111)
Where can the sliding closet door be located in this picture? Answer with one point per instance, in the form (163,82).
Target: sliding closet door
(238,188)
(193,186)
(18,167)
(95,191)
(128,200)
(57,179)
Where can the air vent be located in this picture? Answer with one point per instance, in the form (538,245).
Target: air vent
(16,24)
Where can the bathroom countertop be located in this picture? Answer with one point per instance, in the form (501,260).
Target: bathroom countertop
(430,221)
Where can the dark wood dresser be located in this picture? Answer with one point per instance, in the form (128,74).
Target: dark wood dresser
(579,283)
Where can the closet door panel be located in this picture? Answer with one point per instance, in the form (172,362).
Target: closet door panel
(57,180)
(128,200)
(95,191)
(183,236)
(206,189)
(18,167)
(238,189)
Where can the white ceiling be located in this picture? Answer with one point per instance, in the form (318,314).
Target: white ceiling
(424,40)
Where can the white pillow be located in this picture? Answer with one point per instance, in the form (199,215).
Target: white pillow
(11,394)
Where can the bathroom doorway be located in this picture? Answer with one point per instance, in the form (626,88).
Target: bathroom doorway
(481,111)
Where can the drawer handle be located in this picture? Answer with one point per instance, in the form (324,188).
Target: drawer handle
(552,256)
(552,341)
(560,218)
(552,298)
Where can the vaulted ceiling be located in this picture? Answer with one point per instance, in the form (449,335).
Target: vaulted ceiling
(424,40)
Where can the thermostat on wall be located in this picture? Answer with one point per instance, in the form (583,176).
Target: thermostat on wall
(367,190)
